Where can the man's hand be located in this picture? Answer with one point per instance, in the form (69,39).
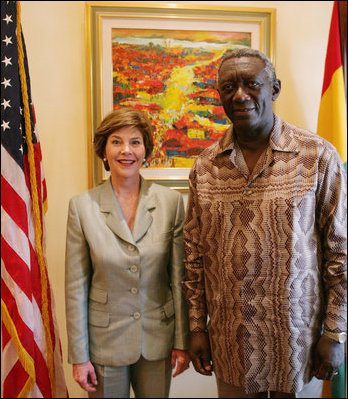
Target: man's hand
(328,358)
(181,359)
(84,374)
(200,353)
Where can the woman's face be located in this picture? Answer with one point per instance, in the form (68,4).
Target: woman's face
(125,152)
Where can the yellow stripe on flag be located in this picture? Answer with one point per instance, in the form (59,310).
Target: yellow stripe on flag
(332,121)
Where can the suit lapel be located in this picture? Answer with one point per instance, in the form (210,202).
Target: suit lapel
(143,217)
(114,217)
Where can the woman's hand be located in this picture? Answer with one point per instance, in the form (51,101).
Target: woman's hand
(84,374)
(181,359)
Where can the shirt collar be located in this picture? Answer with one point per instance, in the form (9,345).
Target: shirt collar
(282,136)
(281,139)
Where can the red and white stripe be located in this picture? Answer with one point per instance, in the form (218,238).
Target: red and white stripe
(21,287)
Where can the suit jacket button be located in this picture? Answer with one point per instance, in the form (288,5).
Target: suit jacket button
(134,268)
(131,247)
(134,290)
(136,315)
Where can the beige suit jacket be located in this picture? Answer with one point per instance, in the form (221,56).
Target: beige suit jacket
(122,287)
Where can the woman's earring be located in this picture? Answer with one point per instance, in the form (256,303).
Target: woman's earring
(106,164)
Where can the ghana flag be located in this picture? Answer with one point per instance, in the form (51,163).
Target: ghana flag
(332,121)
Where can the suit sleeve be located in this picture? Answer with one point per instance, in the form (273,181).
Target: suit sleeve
(177,273)
(77,280)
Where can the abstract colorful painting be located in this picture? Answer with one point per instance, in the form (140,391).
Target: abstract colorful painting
(171,75)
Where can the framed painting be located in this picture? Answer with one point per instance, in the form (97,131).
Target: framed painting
(162,58)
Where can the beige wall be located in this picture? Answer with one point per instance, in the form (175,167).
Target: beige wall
(54,34)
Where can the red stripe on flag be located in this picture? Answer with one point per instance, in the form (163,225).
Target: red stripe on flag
(15,381)
(44,190)
(25,334)
(333,55)
(14,205)
(34,115)
(5,335)
(16,268)
(42,375)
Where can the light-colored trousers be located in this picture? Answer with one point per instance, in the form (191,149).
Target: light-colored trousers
(311,390)
(149,379)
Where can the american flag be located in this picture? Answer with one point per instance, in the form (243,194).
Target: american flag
(31,358)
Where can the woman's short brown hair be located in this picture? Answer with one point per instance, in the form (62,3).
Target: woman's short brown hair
(118,119)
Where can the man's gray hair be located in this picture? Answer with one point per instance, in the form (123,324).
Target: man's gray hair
(250,52)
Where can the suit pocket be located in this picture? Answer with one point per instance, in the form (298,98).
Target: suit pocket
(98,295)
(167,311)
(98,319)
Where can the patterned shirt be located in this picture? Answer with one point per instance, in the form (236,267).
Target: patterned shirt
(265,256)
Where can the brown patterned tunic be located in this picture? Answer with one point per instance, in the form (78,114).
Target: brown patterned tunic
(266,255)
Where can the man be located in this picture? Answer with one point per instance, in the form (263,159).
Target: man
(265,239)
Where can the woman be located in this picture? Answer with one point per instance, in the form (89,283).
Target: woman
(126,316)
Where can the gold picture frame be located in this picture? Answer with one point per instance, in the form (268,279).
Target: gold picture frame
(104,18)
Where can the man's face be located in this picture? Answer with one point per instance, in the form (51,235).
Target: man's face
(247,94)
